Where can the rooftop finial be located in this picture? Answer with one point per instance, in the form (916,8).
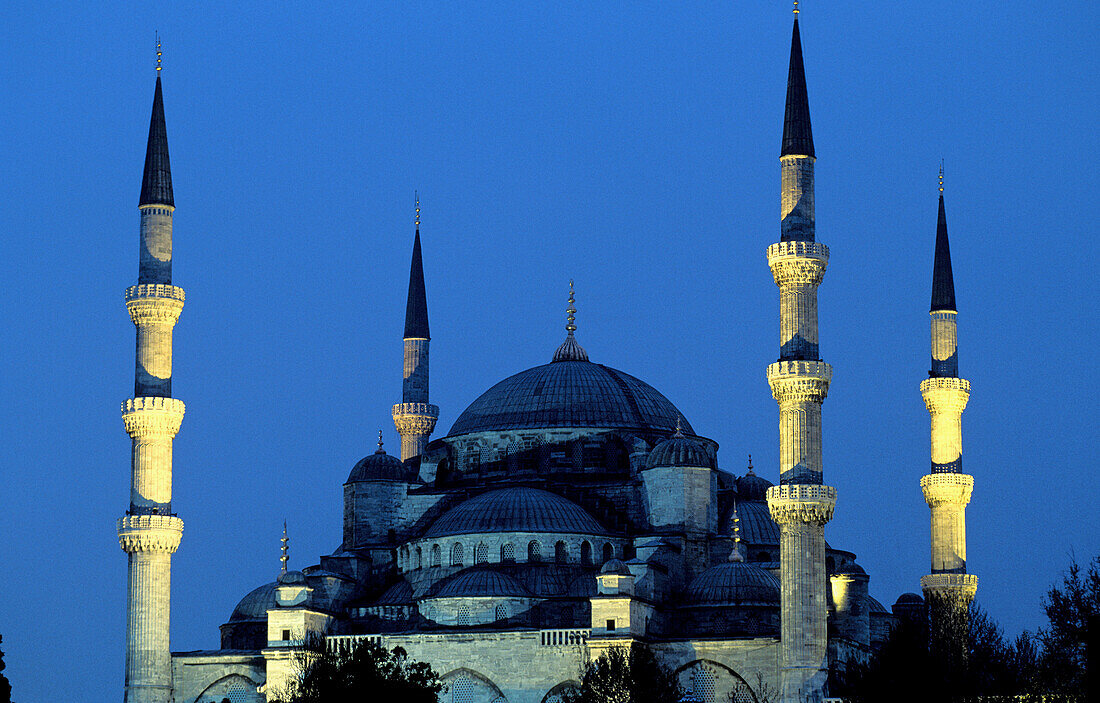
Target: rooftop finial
(380,450)
(571,312)
(750,466)
(158,53)
(679,427)
(796,7)
(941,175)
(735,555)
(416,195)
(286,549)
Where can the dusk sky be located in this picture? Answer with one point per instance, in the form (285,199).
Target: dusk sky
(633,147)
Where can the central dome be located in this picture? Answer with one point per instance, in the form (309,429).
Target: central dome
(570,394)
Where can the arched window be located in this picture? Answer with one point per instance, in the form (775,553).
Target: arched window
(561,553)
(437,555)
(463,615)
(481,554)
(462,690)
(586,553)
(534,551)
(456,554)
(703,685)
(608,552)
(419,558)
(507,552)
(502,611)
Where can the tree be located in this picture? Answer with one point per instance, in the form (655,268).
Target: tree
(368,672)
(5,686)
(1064,665)
(623,675)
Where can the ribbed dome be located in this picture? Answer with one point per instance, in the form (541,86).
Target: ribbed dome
(678,450)
(515,510)
(757,526)
(752,487)
(908,599)
(850,569)
(481,582)
(292,578)
(877,607)
(734,583)
(569,394)
(255,605)
(615,566)
(379,466)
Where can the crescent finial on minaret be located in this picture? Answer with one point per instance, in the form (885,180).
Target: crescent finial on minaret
(158,53)
(286,549)
(416,196)
(571,311)
(796,7)
(941,175)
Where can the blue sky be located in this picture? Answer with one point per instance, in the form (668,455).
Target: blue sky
(632,147)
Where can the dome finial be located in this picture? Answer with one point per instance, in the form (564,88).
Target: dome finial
(735,555)
(941,175)
(796,7)
(158,53)
(679,427)
(750,472)
(416,197)
(569,349)
(380,450)
(286,550)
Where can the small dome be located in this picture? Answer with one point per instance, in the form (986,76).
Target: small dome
(255,605)
(379,466)
(515,510)
(909,599)
(292,578)
(877,607)
(481,582)
(751,487)
(734,583)
(615,566)
(400,593)
(757,525)
(850,569)
(678,450)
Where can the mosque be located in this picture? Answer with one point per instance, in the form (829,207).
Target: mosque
(570,508)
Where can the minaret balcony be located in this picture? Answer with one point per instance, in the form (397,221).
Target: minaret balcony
(799,381)
(955,586)
(150,533)
(415,418)
(801,503)
(945,394)
(947,488)
(152,416)
(154,303)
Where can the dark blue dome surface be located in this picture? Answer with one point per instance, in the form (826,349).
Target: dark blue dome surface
(570,394)
(481,582)
(734,583)
(255,605)
(515,510)
(379,466)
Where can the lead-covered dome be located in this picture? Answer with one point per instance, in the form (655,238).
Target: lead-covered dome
(734,583)
(515,510)
(481,583)
(570,394)
(678,450)
(379,466)
(255,605)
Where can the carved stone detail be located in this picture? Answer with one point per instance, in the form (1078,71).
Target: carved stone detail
(808,503)
(152,417)
(799,381)
(960,588)
(945,395)
(798,263)
(154,304)
(150,533)
(947,488)
(415,418)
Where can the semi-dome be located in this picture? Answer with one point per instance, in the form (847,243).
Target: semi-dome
(734,583)
(757,525)
(570,394)
(516,509)
(255,605)
(678,450)
(400,593)
(481,582)
(379,466)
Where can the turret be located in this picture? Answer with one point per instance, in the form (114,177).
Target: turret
(680,486)
(799,381)
(946,488)
(149,532)
(414,417)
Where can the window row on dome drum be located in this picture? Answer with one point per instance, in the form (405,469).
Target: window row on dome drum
(457,553)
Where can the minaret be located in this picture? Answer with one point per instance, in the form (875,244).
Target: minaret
(149,533)
(946,488)
(414,416)
(799,380)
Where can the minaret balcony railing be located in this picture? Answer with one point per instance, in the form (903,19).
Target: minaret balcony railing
(947,488)
(149,533)
(945,583)
(800,249)
(796,503)
(426,409)
(154,290)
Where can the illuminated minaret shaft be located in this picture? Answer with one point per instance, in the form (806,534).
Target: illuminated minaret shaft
(799,380)
(149,533)
(946,488)
(414,417)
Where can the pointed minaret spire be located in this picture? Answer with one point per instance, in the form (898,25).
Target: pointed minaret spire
(414,417)
(943,282)
(156,182)
(798,138)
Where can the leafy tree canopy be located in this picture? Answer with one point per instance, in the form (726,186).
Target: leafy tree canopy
(623,675)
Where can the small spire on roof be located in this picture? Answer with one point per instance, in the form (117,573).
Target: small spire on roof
(750,472)
(679,427)
(570,350)
(735,555)
(380,450)
(158,53)
(941,175)
(286,549)
(416,196)
(571,311)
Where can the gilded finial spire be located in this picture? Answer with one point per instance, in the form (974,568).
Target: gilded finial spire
(571,311)
(751,473)
(735,555)
(380,450)
(158,54)
(416,195)
(941,175)
(679,427)
(286,549)
(796,7)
